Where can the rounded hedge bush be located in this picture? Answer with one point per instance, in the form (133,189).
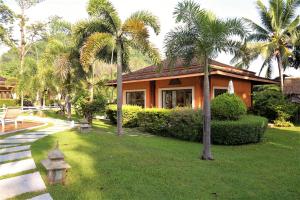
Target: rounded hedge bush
(129,114)
(227,107)
(248,129)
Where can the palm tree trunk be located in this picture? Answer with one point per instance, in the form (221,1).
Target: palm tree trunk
(280,69)
(206,154)
(119,88)
(68,105)
(91,92)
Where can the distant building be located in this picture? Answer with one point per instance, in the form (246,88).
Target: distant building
(5,89)
(292,88)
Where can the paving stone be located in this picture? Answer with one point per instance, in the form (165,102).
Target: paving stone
(14,149)
(23,136)
(37,133)
(8,145)
(42,197)
(15,186)
(15,156)
(17,141)
(16,167)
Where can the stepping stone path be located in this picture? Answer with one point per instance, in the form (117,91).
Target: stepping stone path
(15,157)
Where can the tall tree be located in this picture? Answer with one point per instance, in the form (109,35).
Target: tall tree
(272,38)
(6,19)
(24,5)
(133,32)
(202,36)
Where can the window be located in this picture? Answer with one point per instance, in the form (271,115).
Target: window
(177,98)
(136,98)
(219,91)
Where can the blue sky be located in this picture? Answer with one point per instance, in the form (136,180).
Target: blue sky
(74,10)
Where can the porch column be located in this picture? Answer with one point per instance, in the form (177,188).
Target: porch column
(152,94)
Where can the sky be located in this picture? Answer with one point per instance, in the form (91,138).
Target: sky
(75,10)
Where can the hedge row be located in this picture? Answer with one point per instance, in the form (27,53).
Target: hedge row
(8,102)
(129,115)
(187,124)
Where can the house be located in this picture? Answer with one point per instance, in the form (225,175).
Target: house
(5,89)
(181,86)
(292,88)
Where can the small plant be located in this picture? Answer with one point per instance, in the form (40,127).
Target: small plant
(283,115)
(228,107)
(88,109)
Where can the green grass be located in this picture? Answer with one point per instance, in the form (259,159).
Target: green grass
(141,166)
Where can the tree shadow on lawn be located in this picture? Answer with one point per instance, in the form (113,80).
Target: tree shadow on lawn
(105,166)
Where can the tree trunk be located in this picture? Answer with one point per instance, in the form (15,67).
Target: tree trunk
(206,154)
(280,69)
(91,88)
(119,88)
(68,105)
(22,48)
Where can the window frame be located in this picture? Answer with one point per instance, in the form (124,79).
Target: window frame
(138,90)
(160,95)
(220,88)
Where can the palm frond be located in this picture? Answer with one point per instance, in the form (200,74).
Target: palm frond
(95,43)
(106,11)
(83,29)
(135,29)
(147,18)
(185,11)
(264,15)
(289,11)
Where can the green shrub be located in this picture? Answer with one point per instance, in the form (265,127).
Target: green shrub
(227,107)
(248,129)
(154,121)
(283,117)
(129,114)
(88,109)
(8,103)
(186,124)
(181,123)
(268,101)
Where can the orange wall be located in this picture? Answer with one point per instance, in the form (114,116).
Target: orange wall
(145,85)
(241,87)
(185,82)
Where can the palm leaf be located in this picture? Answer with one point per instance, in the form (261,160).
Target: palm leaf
(147,18)
(95,43)
(106,11)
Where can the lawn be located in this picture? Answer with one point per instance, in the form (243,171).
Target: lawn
(141,166)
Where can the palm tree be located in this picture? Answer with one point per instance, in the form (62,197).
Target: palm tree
(272,38)
(57,57)
(202,36)
(133,32)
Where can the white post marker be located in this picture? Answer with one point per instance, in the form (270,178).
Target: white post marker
(230,87)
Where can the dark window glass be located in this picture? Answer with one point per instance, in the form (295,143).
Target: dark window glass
(135,98)
(177,98)
(218,92)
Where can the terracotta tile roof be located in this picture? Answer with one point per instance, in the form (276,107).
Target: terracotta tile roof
(195,69)
(292,85)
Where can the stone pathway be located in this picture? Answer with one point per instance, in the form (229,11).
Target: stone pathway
(15,157)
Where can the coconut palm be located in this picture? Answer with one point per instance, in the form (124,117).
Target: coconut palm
(272,38)
(202,36)
(115,35)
